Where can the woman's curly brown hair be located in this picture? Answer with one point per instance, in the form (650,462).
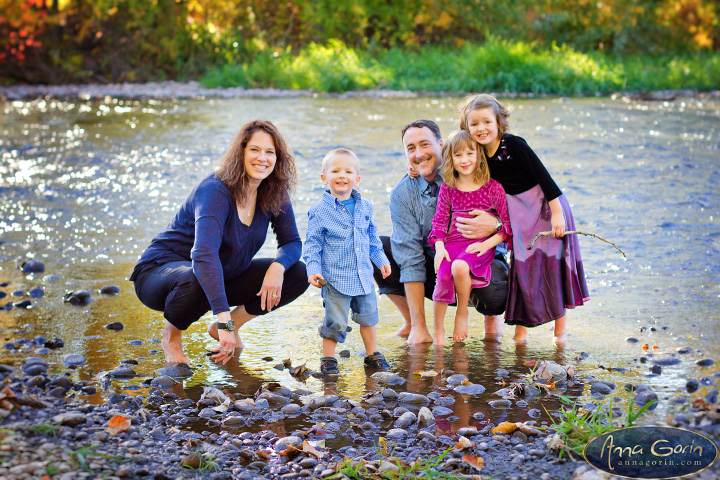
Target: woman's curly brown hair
(274,190)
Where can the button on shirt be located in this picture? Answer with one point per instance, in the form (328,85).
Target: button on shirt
(412,206)
(340,246)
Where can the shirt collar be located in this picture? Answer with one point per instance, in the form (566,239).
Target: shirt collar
(331,199)
(425,185)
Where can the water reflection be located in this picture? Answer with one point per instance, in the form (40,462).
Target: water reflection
(86,184)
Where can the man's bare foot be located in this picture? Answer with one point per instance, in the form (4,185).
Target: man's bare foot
(520,336)
(439,338)
(172,346)
(419,335)
(403,331)
(460,332)
(492,337)
(213,332)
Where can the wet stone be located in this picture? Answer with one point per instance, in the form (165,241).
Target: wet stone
(425,418)
(645,396)
(73,360)
(32,266)
(692,385)
(502,403)
(57,392)
(444,400)
(472,389)
(63,382)
(405,420)
(36,292)
(207,413)
(344,354)
(631,340)
(81,297)
(389,394)
(135,342)
(124,373)
(414,398)
(291,409)
(71,419)
(600,388)
(181,370)
(34,369)
(282,444)
(163,381)
(397,433)
(24,304)
(667,361)
(55,344)
(273,399)
(10,346)
(387,378)
(705,362)
(684,350)
(441,411)
(51,278)
(467,431)
(115,326)
(456,379)
(501,372)
(110,290)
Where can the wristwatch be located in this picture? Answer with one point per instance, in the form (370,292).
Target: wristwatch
(229,326)
(498,225)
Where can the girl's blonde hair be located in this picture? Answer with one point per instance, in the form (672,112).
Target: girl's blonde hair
(485,100)
(456,142)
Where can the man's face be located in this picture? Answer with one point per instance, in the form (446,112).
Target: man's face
(423,151)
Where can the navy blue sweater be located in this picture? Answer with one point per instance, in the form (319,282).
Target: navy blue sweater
(207,231)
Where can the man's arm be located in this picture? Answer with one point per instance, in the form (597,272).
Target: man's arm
(482,225)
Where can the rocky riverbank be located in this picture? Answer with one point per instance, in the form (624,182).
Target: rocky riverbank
(193,90)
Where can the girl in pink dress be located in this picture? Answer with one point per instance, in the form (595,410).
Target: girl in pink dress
(462,264)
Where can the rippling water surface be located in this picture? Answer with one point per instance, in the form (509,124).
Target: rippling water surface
(85,185)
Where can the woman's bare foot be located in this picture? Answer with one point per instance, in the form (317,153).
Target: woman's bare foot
(403,331)
(559,331)
(213,332)
(172,345)
(520,334)
(560,340)
(460,332)
(419,335)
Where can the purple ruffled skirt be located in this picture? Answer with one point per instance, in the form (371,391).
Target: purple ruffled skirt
(546,280)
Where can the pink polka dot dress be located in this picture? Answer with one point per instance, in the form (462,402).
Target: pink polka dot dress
(454,203)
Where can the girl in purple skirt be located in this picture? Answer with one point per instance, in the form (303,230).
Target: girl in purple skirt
(462,264)
(546,280)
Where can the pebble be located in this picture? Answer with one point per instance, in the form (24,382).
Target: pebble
(405,420)
(71,419)
(456,379)
(36,292)
(110,290)
(684,350)
(388,378)
(397,433)
(414,398)
(124,373)
(705,362)
(24,304)
(467,431)
(441,411)
(471,389)
(645,396)
(425,418)
(500,403)
(33,266)
(631,340)
(81,297)
(666,361)
(115,326)
(51,278)
(73,360)
(291,409)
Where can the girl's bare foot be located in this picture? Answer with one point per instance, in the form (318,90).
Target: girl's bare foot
(172,345)
(520,334)
(213,332)
(439,338)
(460,332)
(403,331)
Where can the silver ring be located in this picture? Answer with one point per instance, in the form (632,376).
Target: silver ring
(274,295)
(230,352)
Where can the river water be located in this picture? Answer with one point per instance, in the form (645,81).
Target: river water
(85,185)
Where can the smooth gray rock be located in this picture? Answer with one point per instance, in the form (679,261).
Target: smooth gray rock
(666,361)
(425,418)
(273,399)
(321,401)
(426,436)
(291,409)
(73,360)
(71,419)
(163,381)
(456,379)
(282,444)
(387,378)
(405,420)
(397,433)
(467,431)
(471,389)
(414,398)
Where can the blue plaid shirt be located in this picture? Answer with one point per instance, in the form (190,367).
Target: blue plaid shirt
(340,246)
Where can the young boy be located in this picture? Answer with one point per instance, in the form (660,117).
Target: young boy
(341,241)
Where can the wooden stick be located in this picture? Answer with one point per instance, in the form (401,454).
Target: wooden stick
(544,234)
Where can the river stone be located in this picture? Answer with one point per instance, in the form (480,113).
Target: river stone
(467,431)
(414,398)
(36,292)
(73,360)
(55,343)
(273,399)
(109,290)
(321,401)
(388,468)
(291,409)
(34,369)
(456,379)
(502,403)
(63,382)
(81,297)
(57,392)
(441,411)
(472,389)
(444,400)
(387,378)
(601,388)
(233,421)
(122,373)
(683,350)
(282,444)
(115,326)
(666,361)
(71,419)
(180,370)
(405,420)
(24,304)
(692,385)
(631,340)
(207,412)
(705,362)
(51,278)
(163,381)
(389,394)
(33,266)
(245,405)
(645,396)
(425,418)
(397,433)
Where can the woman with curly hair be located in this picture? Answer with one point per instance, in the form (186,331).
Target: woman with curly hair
(203,260)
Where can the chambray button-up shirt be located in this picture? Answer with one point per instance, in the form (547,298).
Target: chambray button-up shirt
(412,207)
(341,246)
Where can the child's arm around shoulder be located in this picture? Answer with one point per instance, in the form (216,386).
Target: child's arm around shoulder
(377,254)
(313,247)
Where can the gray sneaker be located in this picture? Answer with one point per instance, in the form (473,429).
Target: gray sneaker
(376,361)
(329,367)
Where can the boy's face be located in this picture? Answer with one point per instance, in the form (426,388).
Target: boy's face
(341,175)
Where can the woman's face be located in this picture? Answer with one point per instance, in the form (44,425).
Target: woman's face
(259,156)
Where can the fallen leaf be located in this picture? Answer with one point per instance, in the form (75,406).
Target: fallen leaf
(505,427)
(287,363)
(118,424)
(530,363)
(463,443)
(427,373)
(382,445)
(474,461)
(645,346)
(466,382)
(307,448)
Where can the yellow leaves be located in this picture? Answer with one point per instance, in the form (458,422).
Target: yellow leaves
(426,373)
(444,20)
(474,461)
(505,427)
(466,382)
(118,424)
(383,446)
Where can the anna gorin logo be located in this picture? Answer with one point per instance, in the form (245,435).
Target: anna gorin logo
(651,452)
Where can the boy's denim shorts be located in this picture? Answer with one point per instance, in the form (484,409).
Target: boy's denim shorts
(364,312)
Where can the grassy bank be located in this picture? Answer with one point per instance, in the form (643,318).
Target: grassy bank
(496,65)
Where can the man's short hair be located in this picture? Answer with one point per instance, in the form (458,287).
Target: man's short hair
(422,124)
(340,151)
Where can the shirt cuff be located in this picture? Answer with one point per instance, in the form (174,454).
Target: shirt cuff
(379,258)
(413,274)
(313,267)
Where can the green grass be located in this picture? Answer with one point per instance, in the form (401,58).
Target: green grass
(576,428)
(493,66)
(45,429)
(205,463)
(424,469)
(80,457)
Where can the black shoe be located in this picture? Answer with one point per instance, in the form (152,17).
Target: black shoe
(328,367)
(376,361)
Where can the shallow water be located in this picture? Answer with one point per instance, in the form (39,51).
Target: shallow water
(85,185)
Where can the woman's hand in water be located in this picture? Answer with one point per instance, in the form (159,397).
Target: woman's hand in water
(226,350)
(440,255)
(271,287)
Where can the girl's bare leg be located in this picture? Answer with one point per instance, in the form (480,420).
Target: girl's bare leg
(439,310)
(172,345)
(560,333)
(461,277)
(240,317)
(520,334)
